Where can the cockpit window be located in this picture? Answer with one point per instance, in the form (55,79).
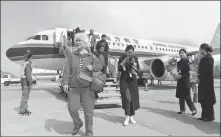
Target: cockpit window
(30,38)
(44,37)
(37,37)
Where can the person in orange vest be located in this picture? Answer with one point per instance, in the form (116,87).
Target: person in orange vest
(26,83)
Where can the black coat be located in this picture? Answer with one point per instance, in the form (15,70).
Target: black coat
(129,83)
(206,93)
(183,84)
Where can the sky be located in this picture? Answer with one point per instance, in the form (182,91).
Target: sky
(184,22)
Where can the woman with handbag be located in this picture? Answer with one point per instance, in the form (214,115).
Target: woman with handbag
(183,84)
(128,66)
(77,81)
(206,93)
(103,57)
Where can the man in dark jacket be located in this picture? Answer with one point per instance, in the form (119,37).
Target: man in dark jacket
(103,40)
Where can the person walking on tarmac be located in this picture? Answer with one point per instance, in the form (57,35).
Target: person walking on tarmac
(206,93)
(102,55)
(183,89)
(79,67)
(26,83)
(128,65)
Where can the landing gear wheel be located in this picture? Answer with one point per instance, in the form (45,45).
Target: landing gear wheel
(6,83)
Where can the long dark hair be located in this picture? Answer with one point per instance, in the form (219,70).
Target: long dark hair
(206,47)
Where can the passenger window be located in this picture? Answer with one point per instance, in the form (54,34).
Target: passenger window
(146,47)
(138,46)
(37,37)
(122,44)
(142,47)
(134,46)
(118,44)
(44,37)
(113,43)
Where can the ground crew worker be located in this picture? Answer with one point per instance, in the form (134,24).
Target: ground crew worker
(26,83)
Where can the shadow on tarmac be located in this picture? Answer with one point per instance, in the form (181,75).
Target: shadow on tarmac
(206,127)
(60,127)
(169,102)
(110,118)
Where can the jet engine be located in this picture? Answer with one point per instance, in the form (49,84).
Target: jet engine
(157,69)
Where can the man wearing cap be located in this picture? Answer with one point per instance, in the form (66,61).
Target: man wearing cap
(92,39)
(26,83)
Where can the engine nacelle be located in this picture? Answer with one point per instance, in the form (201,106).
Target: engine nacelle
(157,69)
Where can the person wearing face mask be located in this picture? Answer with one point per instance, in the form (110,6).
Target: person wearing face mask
(129,67)
(81,62)
(206,93)
(26,83)
(183,89)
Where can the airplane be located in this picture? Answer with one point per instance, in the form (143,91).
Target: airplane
(154,56)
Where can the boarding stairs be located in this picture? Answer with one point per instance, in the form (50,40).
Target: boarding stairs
(111,91)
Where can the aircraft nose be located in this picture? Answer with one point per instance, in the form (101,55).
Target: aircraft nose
(11,53)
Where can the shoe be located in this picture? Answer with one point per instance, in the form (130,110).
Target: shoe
(194,112)
(88,134)
(208,120)
(181,112)
(132,120)
(76,129)
(27,113)
(201,118)
(126,122)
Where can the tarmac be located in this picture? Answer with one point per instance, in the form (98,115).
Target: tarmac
(156,117)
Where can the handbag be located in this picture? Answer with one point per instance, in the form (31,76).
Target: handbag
(98,81)
(84,79)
